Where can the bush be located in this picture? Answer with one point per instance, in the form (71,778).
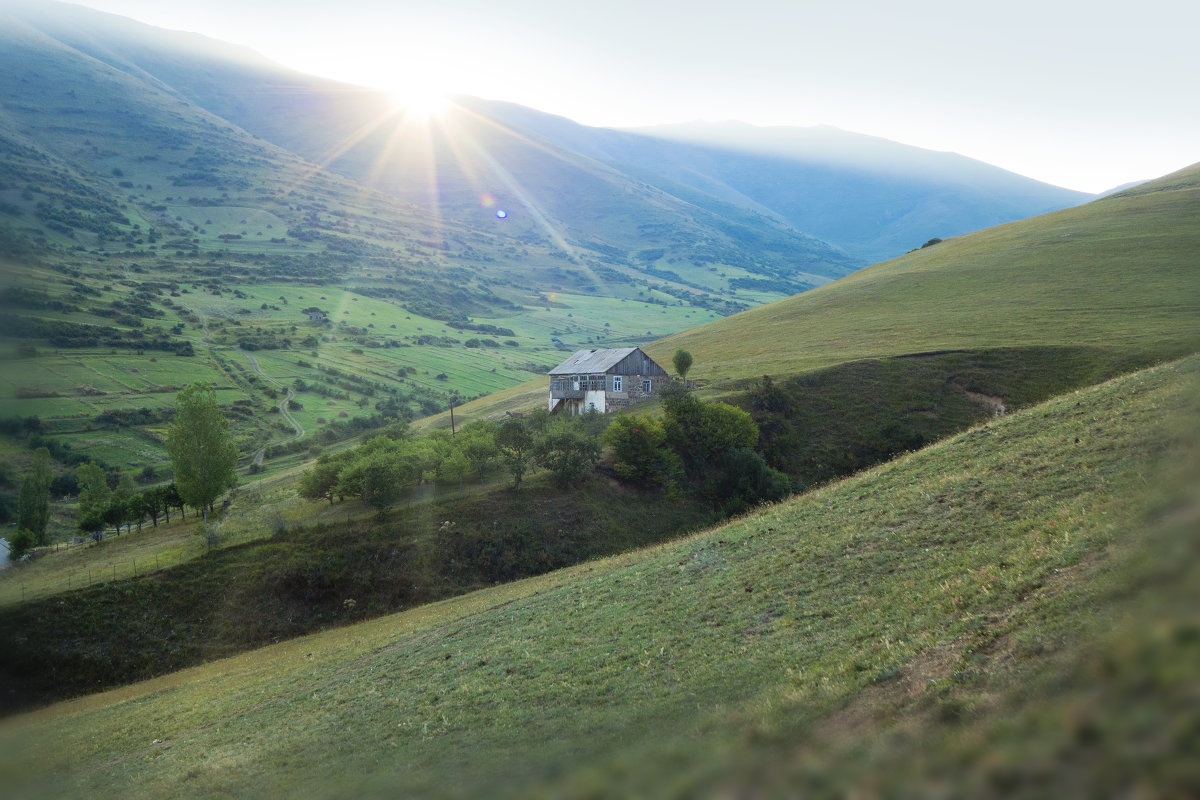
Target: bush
(21,543)
(567,450)
(742,479)
(638,442)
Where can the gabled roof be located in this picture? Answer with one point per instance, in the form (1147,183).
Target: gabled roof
(592,361)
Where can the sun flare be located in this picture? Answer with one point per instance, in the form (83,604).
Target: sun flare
(422,102)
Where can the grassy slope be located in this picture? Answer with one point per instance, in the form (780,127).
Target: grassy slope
(1119,273)
(915,621)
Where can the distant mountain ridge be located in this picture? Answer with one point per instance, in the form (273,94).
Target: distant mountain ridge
(869,197)
(872,197)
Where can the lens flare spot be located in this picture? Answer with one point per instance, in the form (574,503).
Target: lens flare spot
(501,213)
(487,200)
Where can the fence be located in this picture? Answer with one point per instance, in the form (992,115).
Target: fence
(14,587)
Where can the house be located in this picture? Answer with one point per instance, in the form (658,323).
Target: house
(316,316)
(604,380)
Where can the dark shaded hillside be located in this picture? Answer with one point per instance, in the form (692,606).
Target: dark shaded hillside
(833,422)
(309,579)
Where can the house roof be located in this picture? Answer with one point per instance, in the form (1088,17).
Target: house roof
(592,361)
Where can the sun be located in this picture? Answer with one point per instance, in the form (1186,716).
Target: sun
(421,101)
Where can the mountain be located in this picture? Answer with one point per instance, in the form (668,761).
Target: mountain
(871,197)
(550,194)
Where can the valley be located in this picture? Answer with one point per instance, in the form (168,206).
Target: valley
(917,516)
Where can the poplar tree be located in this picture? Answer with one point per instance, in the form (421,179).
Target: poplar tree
(33,501)
(203,455)
(683,362)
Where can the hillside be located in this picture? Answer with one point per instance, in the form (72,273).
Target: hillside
(1117,273)
(147,241)
(574,206)
(1116,276)
(972,617)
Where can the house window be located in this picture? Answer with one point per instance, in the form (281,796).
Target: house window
(616,383)
(646,385)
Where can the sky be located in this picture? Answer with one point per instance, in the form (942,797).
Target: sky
(1086,94)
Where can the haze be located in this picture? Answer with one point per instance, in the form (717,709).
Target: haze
(1086,96)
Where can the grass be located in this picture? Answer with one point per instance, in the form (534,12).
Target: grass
(833,641)
(302,567)
(72,567)
(1117,272)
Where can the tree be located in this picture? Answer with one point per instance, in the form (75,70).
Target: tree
(65,485)
(701,433)
(152,502)
(682,361)
(94,497)
(202,453)
(567,450)
(171,499)
(377,478)
(33,500)
(515,445)
(321,482)
(742,478)
(434,449)
(117,511)
(478,444)
(638,442)
(456,466)
(20,543)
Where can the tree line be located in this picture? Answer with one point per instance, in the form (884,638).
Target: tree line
(697,449)
(391,460)
(203,458)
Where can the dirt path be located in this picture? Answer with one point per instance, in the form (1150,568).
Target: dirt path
(284,407)
(996,404)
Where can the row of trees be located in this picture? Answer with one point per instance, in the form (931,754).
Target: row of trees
(100,506)
(391,460)
(697,449)
(203,459)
